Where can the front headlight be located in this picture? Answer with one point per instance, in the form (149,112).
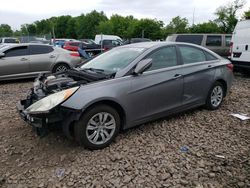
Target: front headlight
(47,103)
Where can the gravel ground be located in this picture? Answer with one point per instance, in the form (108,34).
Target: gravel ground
(178,151)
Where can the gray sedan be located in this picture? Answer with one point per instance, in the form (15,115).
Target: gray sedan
(28,60)
(125,87)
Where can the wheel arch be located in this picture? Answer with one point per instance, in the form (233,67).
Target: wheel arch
(224,83)
(59,63)
(112,104)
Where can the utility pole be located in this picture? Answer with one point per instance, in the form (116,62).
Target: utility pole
(193,16)
(142,33)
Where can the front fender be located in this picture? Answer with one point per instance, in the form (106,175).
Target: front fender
(109,90)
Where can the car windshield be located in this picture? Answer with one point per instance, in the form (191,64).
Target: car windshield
(114,60)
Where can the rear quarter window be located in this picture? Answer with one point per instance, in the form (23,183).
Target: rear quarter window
(194,39)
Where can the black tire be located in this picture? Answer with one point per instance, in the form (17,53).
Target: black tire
(80,128)
(60,67)
(213,105)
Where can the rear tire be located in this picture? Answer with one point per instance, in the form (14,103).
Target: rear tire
(215,96)
(60,67)
(97,127)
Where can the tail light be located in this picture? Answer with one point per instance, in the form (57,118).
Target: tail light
(231,49)
(106,49)
(230,66)
(75,54)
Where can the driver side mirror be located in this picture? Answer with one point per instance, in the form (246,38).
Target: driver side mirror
(2,54)
(142,66)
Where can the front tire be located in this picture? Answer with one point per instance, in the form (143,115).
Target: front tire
(97,127)
(215,96)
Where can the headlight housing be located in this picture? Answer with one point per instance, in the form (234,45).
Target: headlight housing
(47,103)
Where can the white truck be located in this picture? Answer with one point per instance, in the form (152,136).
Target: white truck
(100,37)
(240,46)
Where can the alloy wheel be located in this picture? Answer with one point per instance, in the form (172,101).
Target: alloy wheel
(100,128)
(61,68)
(216,96)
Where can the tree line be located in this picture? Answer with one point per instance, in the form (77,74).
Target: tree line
(90,24)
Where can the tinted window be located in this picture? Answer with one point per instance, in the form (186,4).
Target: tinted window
(228,40)
(195,39)
(162,58)
(11,41)
(213,41)
(39,49)
(191,54)
(0,40)
(107,42)
(17,51)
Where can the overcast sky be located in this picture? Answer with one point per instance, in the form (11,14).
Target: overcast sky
(17,12)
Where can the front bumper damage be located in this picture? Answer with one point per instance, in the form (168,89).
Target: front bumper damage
(43,123)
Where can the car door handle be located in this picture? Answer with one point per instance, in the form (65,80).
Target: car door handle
(52,56)
(177,76)
(23,59)
(209,66)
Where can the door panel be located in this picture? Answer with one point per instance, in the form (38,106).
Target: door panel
(159,88)
(15,61)
(198,74)
(154,93)
(41,57)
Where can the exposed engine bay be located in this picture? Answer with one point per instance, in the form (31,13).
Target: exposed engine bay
(45,85)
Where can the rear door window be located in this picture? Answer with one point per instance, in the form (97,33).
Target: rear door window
(39,49)
(194,39)
(163,58)
(17,51)
(191,54)
(214,40)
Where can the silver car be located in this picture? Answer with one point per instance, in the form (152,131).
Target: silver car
(28,60)
(125,87)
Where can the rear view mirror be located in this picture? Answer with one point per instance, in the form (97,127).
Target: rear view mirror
(142,66)
(2,54)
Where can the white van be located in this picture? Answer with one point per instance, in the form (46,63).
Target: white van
(99,38)
(240,46)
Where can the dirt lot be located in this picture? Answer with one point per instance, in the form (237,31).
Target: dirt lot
(151,155)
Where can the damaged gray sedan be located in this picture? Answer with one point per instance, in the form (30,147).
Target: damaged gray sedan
(125,87)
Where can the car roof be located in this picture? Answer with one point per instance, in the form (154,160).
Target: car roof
(148,44)
(26,44)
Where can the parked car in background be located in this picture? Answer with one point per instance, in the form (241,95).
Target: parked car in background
(99,38)
(71,46)
(9,40)
(61,42)
(91,49)
(89,41)
(108,44)
(240,46)
(218,43)
(135,40)
(127,86)
(29,60)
